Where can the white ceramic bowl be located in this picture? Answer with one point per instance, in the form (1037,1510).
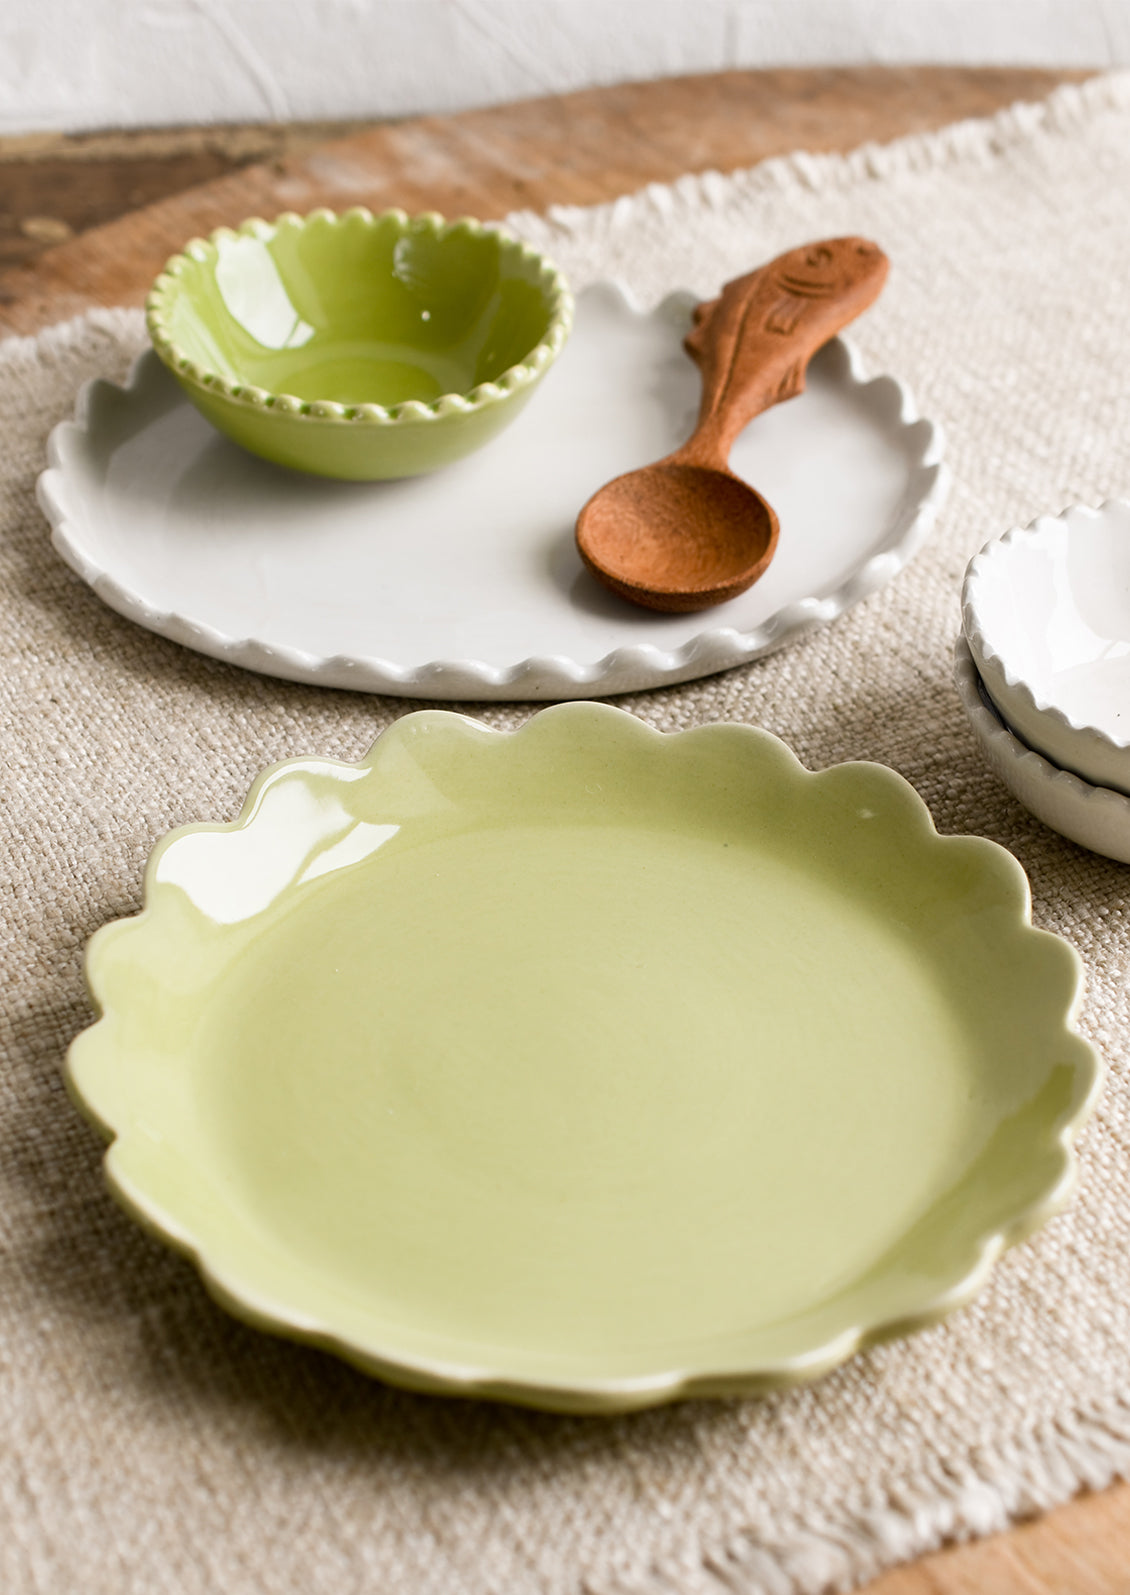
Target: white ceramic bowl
(1093,816)
(1046,610)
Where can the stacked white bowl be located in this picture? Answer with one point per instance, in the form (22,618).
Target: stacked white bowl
(1043,669)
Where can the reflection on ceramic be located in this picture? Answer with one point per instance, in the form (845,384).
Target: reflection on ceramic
(467,584)
(585,1066)
(1094,816)
(359,346)
(1046,609)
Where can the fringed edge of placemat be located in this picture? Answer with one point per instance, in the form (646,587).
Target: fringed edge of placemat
(998,1488)
(116,326)
(973,142)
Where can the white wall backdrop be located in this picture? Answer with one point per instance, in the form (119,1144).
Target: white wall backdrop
(78,65)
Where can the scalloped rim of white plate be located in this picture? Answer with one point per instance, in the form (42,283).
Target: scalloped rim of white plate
(1096,817)
(631,668)
(982,649)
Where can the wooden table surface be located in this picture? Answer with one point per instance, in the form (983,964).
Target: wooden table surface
(89,221)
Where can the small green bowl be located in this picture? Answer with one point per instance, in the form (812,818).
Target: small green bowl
(359,346)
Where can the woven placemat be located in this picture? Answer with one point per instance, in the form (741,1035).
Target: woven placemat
(150,1443)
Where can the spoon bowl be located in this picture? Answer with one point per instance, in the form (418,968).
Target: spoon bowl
(650,517)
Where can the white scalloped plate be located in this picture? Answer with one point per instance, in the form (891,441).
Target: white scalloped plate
(466,584)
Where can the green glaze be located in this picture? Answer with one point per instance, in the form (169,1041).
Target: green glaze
(359,346)
(584,1066)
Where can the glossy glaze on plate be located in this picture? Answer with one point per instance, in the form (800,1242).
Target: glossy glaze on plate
(1096,817)
(466,584)
(359,346)
(584,1066)
(1046,609)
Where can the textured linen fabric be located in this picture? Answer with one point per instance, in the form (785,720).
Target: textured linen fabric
(151,1445)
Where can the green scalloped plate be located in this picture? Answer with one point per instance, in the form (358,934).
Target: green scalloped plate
(584,1066)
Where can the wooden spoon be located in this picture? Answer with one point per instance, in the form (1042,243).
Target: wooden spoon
(686,533)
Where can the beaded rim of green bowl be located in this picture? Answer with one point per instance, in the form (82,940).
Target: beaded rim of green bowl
(201,251)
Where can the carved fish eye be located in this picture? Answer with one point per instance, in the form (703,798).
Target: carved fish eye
(818,256)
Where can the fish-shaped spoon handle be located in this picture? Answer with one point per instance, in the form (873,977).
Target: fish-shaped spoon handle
(754,342)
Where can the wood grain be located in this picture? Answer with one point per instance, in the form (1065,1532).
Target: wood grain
(573,149)
(54,185)
(579,149)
